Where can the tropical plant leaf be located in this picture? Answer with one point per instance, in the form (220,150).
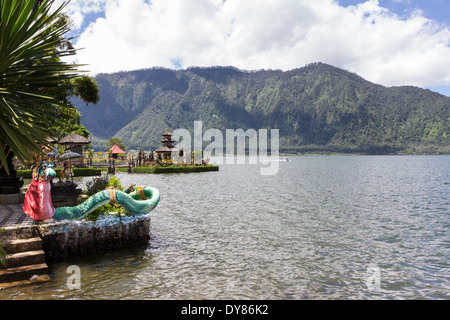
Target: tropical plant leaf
(31,39)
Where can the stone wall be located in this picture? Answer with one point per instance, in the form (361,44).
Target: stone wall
(65,239)
(14,198)
(65,194)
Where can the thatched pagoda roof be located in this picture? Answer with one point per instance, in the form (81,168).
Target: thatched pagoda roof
(51,140)
(74,139)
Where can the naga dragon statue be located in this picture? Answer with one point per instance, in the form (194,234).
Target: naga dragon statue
(38,202)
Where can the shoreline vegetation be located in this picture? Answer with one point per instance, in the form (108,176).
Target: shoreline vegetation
(370,150)
(87,172)
(77,172)
(97,170)
(100,164)
(173,169)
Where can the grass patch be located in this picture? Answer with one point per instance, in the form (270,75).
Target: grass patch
(175,169)
(77,172)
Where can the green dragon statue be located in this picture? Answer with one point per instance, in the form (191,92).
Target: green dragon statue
(38,202)
(138,201)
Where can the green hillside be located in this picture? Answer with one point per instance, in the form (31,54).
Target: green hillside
(317,108)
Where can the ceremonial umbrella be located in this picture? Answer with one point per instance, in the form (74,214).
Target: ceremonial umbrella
(69,155)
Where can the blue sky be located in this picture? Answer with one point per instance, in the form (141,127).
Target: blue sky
(389,42)
(438,10)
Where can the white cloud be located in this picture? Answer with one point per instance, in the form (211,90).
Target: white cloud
(78,9)
(264,34)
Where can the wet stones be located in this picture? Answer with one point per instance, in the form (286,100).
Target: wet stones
(65,239)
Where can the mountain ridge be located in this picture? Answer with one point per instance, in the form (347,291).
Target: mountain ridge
(318,107)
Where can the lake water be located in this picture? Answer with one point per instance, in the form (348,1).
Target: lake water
(323,227)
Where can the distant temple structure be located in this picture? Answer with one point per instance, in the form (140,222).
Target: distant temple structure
(74,142)
(165,152)
(115,150)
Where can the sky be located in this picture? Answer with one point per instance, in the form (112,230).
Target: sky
(388,42)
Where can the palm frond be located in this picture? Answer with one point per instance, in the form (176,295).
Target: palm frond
(30,64)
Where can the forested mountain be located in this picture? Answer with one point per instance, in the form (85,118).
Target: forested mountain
(317,108)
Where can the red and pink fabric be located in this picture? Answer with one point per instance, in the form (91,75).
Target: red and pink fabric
(38,200)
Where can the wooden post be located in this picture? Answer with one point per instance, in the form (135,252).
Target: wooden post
(139,157)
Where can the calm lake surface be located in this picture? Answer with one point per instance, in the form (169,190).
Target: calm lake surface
(323,227)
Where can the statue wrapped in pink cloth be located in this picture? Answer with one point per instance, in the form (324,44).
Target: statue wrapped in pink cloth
(38,201)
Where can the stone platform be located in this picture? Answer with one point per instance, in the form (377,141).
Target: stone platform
(31,244)
(66,239)
(12,217)
(14,198)
(24,248)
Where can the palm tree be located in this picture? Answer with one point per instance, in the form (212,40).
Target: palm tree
(32,44)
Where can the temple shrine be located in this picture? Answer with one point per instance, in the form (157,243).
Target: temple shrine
(165,152)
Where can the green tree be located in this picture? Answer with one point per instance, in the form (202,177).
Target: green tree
(32,44)
(68,120)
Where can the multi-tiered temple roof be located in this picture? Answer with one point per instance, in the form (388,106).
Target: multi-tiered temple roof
(165,152)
